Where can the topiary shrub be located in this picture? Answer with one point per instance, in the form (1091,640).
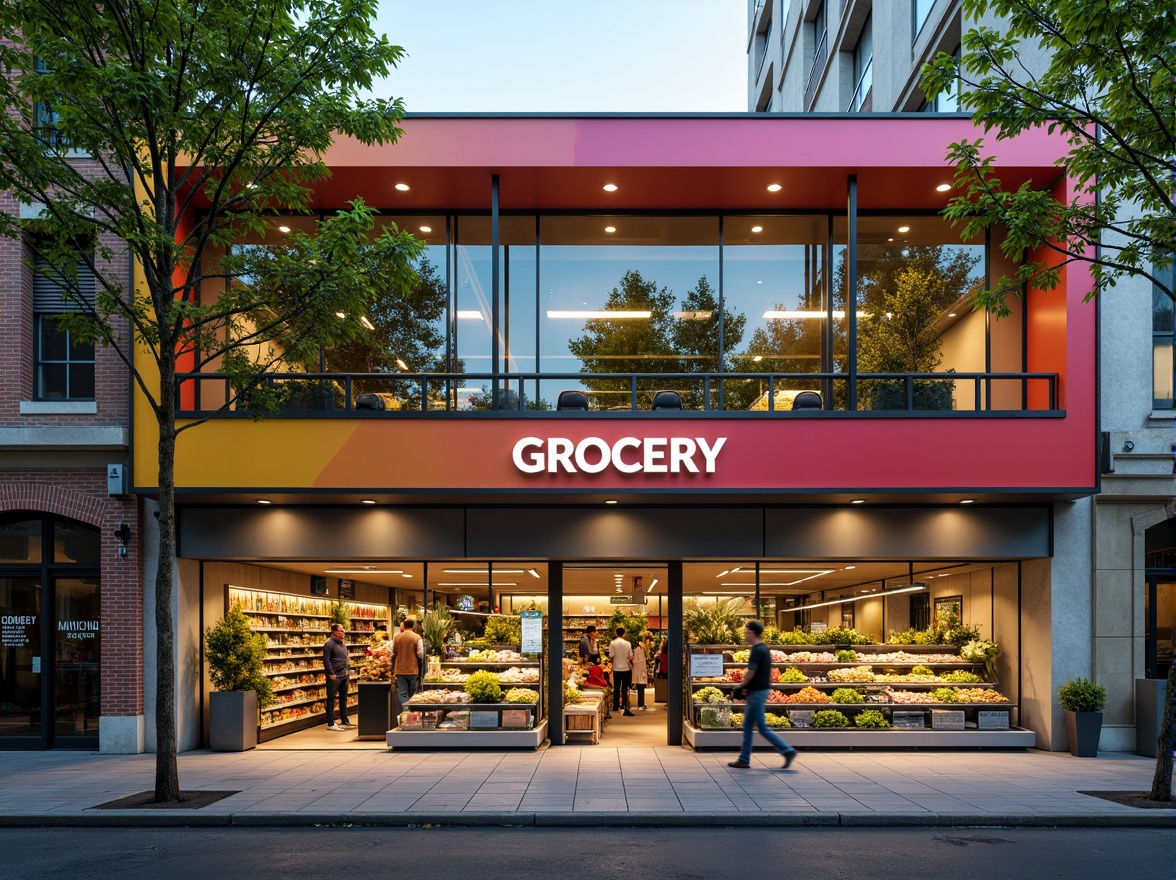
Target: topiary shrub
(1082,695)
(236,656)
(483,687)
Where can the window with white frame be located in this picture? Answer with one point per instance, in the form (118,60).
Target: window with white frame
(64,366)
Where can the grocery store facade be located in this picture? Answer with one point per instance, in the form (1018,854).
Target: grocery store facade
(581,266)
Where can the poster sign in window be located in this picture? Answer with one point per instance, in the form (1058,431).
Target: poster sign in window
(532,632)
(706,665)
(16,629)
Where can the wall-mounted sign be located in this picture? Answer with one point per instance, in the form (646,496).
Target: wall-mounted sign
(79,629)
(346,589)
(532,632)
(15,629)
(629,455)
(620,600)
(706,665)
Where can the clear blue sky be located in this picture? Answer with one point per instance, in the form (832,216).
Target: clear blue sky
(568,55)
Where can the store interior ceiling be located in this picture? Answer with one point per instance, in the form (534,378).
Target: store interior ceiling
(824,579)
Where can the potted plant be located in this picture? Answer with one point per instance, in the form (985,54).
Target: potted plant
(340,612)
(1083,701)
(236,657)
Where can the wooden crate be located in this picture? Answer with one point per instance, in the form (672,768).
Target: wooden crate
(579,721)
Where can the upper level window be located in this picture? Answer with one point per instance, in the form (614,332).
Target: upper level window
(45,119)
(820,52)
(64,366)
(1163,338)
(920,9)
(947,101)
(863,69)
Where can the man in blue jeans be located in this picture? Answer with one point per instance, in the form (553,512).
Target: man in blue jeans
(757,684)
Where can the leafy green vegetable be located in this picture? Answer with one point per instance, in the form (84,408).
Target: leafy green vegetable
(829,718)
(847,656)
(792,675)
(870,719)
(709,695)
(960,676)
(945,695)
(847,695)
(483,687)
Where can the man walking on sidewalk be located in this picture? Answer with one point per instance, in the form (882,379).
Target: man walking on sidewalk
(620,652)
(757,684)
(335,661)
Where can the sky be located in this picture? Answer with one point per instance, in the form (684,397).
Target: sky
(579,56)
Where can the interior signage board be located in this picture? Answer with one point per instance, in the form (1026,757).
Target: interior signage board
(532,639)
(620,600)
(706,665)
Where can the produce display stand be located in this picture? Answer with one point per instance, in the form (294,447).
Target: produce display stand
(875,697)
(591,711)
(473,737)
(295,628)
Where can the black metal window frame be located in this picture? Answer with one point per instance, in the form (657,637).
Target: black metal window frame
(863,69)
(51,300)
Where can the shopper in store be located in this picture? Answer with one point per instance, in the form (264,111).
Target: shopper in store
(640,674)
(408,649)
(756,685)
(335,662)
(589,645)
(620,654)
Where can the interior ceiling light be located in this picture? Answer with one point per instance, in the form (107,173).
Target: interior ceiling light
(849,568)
(911,589)
(403,187)
(283,229)
(468,315)
(478,584)
(406,575)
(532,572)
(652,584)
(363,319)
(426,229)
(402,365)
(368,570)
(723,573)
(774,187)
(858,501)
(610,229)
(610,501)
(610,187)
(482,571)
(757,358)
(728,592)
(951,314)
(600,315)
(696,315)
(368,501)
(757,229)
(943,187)
(797,314)
(264,501)
(904,229)
(967,500)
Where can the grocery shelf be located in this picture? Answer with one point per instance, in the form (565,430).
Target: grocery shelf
(1014,738)
(468,739)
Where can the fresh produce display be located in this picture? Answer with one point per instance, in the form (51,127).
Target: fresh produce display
(521,695)
(742,656)
(945,695)
(791,675)
(857,673)
(980,651)
(572,695)
(906,676)
(804,657)
(870,719)
(513,675)
(736,674)
(377,662)
(829,718)
(847,695)
(808,695)
(488,656)
(442,696)
(980,695)
(847,656)
(841,636)
(714,716)
(910,697)
(960,676)
(922,670)
(483,687)
(779,722)
(709,695)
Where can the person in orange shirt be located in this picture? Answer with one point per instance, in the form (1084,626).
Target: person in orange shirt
(408,649)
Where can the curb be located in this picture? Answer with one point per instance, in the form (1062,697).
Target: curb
(156,819)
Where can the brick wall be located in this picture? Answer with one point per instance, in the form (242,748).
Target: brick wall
(80,494)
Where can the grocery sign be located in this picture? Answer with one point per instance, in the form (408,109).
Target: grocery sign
(629,455)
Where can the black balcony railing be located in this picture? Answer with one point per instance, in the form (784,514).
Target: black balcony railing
(701,394)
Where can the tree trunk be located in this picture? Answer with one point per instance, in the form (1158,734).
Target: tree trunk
(167,778)
(1161,789)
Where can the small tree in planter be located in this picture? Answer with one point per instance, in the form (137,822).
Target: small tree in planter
(236,666)
(901,337)
(1083,700)
(340,612)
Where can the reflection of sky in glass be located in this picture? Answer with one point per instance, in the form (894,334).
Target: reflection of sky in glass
(760,278)
(582,277)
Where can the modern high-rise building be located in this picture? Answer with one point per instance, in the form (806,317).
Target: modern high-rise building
(866,56)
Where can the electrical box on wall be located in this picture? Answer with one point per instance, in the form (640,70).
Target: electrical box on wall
(318,585)
(116,479)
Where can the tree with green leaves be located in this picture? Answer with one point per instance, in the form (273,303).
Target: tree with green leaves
(166,132)
(1103,75)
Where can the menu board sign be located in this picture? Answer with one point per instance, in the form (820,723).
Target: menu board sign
(532,632)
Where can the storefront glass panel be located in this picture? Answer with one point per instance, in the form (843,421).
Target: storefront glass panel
(20,538)
(77,657)
(20,657)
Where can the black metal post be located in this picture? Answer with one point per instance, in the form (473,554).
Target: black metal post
(555,732)
(676,636)
(851,293)
(495,318)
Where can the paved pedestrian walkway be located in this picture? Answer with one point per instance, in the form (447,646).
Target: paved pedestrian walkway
(586,786)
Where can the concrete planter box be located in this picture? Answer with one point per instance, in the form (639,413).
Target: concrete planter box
(232,721)
(1082,732)
(1149,712)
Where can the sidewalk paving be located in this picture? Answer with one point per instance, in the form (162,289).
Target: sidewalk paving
(659,786)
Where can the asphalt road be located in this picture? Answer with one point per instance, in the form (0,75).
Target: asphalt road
(648,854)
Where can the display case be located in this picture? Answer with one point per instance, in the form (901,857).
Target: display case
(917,695)
(295,628)
(443,714)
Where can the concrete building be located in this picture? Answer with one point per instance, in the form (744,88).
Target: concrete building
(822,56)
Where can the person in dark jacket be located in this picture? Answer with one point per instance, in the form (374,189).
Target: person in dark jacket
(335,662)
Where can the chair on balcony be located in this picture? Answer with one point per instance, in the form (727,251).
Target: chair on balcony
(369,400)
(667,400)
(808,401)
(572,400)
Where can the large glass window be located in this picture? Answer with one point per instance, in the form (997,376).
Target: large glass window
(947,101)
(1162,341)
(20,657)
(77,652)
(863,69)
(626,294)
(64,365)
(920,9)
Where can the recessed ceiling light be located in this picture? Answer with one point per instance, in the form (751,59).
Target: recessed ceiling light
(723,573)
(368,501)
(426,229)
(610,229)
(367,569)
(758,358)
(890,239)
(757,229)
(943,187)
(406,575)
(967,500)
(858,501)
(904,229)
(611,501)
(283,229)
(774,187)
(400,363)
(951,314)
(849,568)
(610,187)
(403,187)
(532,572)
(264,501)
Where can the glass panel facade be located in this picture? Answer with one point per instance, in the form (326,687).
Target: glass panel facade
(75,542)
(20,657)
(1162,341)
(77,656)
(20,538)
(65,368)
